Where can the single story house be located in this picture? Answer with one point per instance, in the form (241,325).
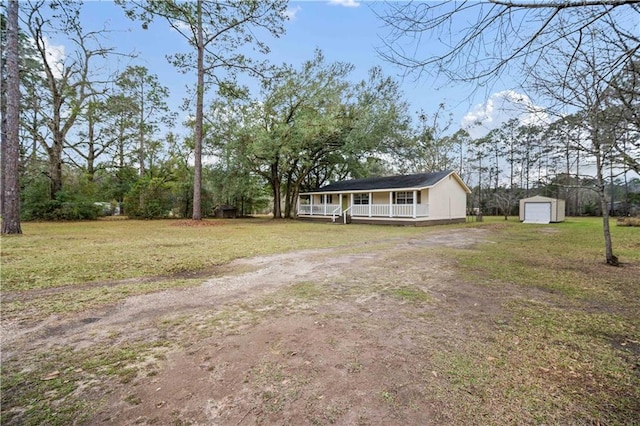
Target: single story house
(541,209)
(414,200)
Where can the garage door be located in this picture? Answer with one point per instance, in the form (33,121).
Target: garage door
(537,212)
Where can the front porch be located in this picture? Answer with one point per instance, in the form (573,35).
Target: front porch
(367,210)
(400,205)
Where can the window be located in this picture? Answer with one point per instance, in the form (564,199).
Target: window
(360,198)
(328,198)
(405,197)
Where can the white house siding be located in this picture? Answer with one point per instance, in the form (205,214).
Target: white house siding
(447,200)
(380,198)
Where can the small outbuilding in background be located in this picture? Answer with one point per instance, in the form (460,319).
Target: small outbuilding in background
(541,209)
(225,212)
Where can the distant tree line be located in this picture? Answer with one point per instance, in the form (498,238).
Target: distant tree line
(92,144)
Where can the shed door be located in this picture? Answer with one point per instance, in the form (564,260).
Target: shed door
(537,212)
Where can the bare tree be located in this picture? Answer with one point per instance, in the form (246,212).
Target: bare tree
(584,89)
(520,36)
(497,34)
(67,86)
(10,143)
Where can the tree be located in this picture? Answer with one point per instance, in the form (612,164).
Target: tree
(218,32)
(519,36)
(310,124)
(149,99)
(623,101)
(584,88)
(67,86)
(11,143)
(91,143)
(428,148)
(498,34)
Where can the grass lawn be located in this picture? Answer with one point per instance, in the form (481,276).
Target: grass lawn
(573,339)
(60,254)
(567,348)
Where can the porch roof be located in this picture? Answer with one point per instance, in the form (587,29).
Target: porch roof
(406,182)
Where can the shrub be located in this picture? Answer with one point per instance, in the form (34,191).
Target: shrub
(36,205)
(628,221)
(150,198)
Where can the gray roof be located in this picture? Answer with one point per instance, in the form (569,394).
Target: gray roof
(420,180)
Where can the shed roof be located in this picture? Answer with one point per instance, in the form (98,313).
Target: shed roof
(540,198)
(415,181)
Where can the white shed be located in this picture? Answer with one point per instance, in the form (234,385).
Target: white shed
(540,209)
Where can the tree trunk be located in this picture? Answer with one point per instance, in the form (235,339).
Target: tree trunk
(55,169)
(274,181)
(3,130)
(91,148)
(11,151)
(197,170)
(141,135)
(608,246)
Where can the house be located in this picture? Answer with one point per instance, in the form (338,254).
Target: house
(541,209)
(413,200)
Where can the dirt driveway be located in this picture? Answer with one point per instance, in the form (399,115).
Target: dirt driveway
(355,335)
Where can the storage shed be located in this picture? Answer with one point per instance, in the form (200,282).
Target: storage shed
(225,212)
(541,209)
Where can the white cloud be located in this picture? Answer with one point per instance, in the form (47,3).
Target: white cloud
(291,12)
(500,108)
(345,3)
(55,57)
(181,27)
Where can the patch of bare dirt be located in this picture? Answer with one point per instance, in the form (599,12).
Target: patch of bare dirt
(197,223)
(311,337)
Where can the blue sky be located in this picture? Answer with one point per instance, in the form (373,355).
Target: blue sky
(345,30)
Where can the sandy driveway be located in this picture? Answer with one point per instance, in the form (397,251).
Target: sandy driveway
(344,336)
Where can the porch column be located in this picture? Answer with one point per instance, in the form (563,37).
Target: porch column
(311,205)
(340,202)
(390,203)
(325,204)
(370,202)
(415,203)
(351,205)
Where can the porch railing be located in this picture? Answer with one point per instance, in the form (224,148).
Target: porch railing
(363,210)
(389,210)
(317,209)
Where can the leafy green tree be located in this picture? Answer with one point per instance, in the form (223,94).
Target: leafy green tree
(150,197)
(93,142)
(148,106)
(312,123)
(218,32)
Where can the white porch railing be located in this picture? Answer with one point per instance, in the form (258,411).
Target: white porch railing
(318,209)
(389,210)
(365,210)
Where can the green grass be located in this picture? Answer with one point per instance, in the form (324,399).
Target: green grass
(55,254)
(567,258)
(410,294)
(565,351)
